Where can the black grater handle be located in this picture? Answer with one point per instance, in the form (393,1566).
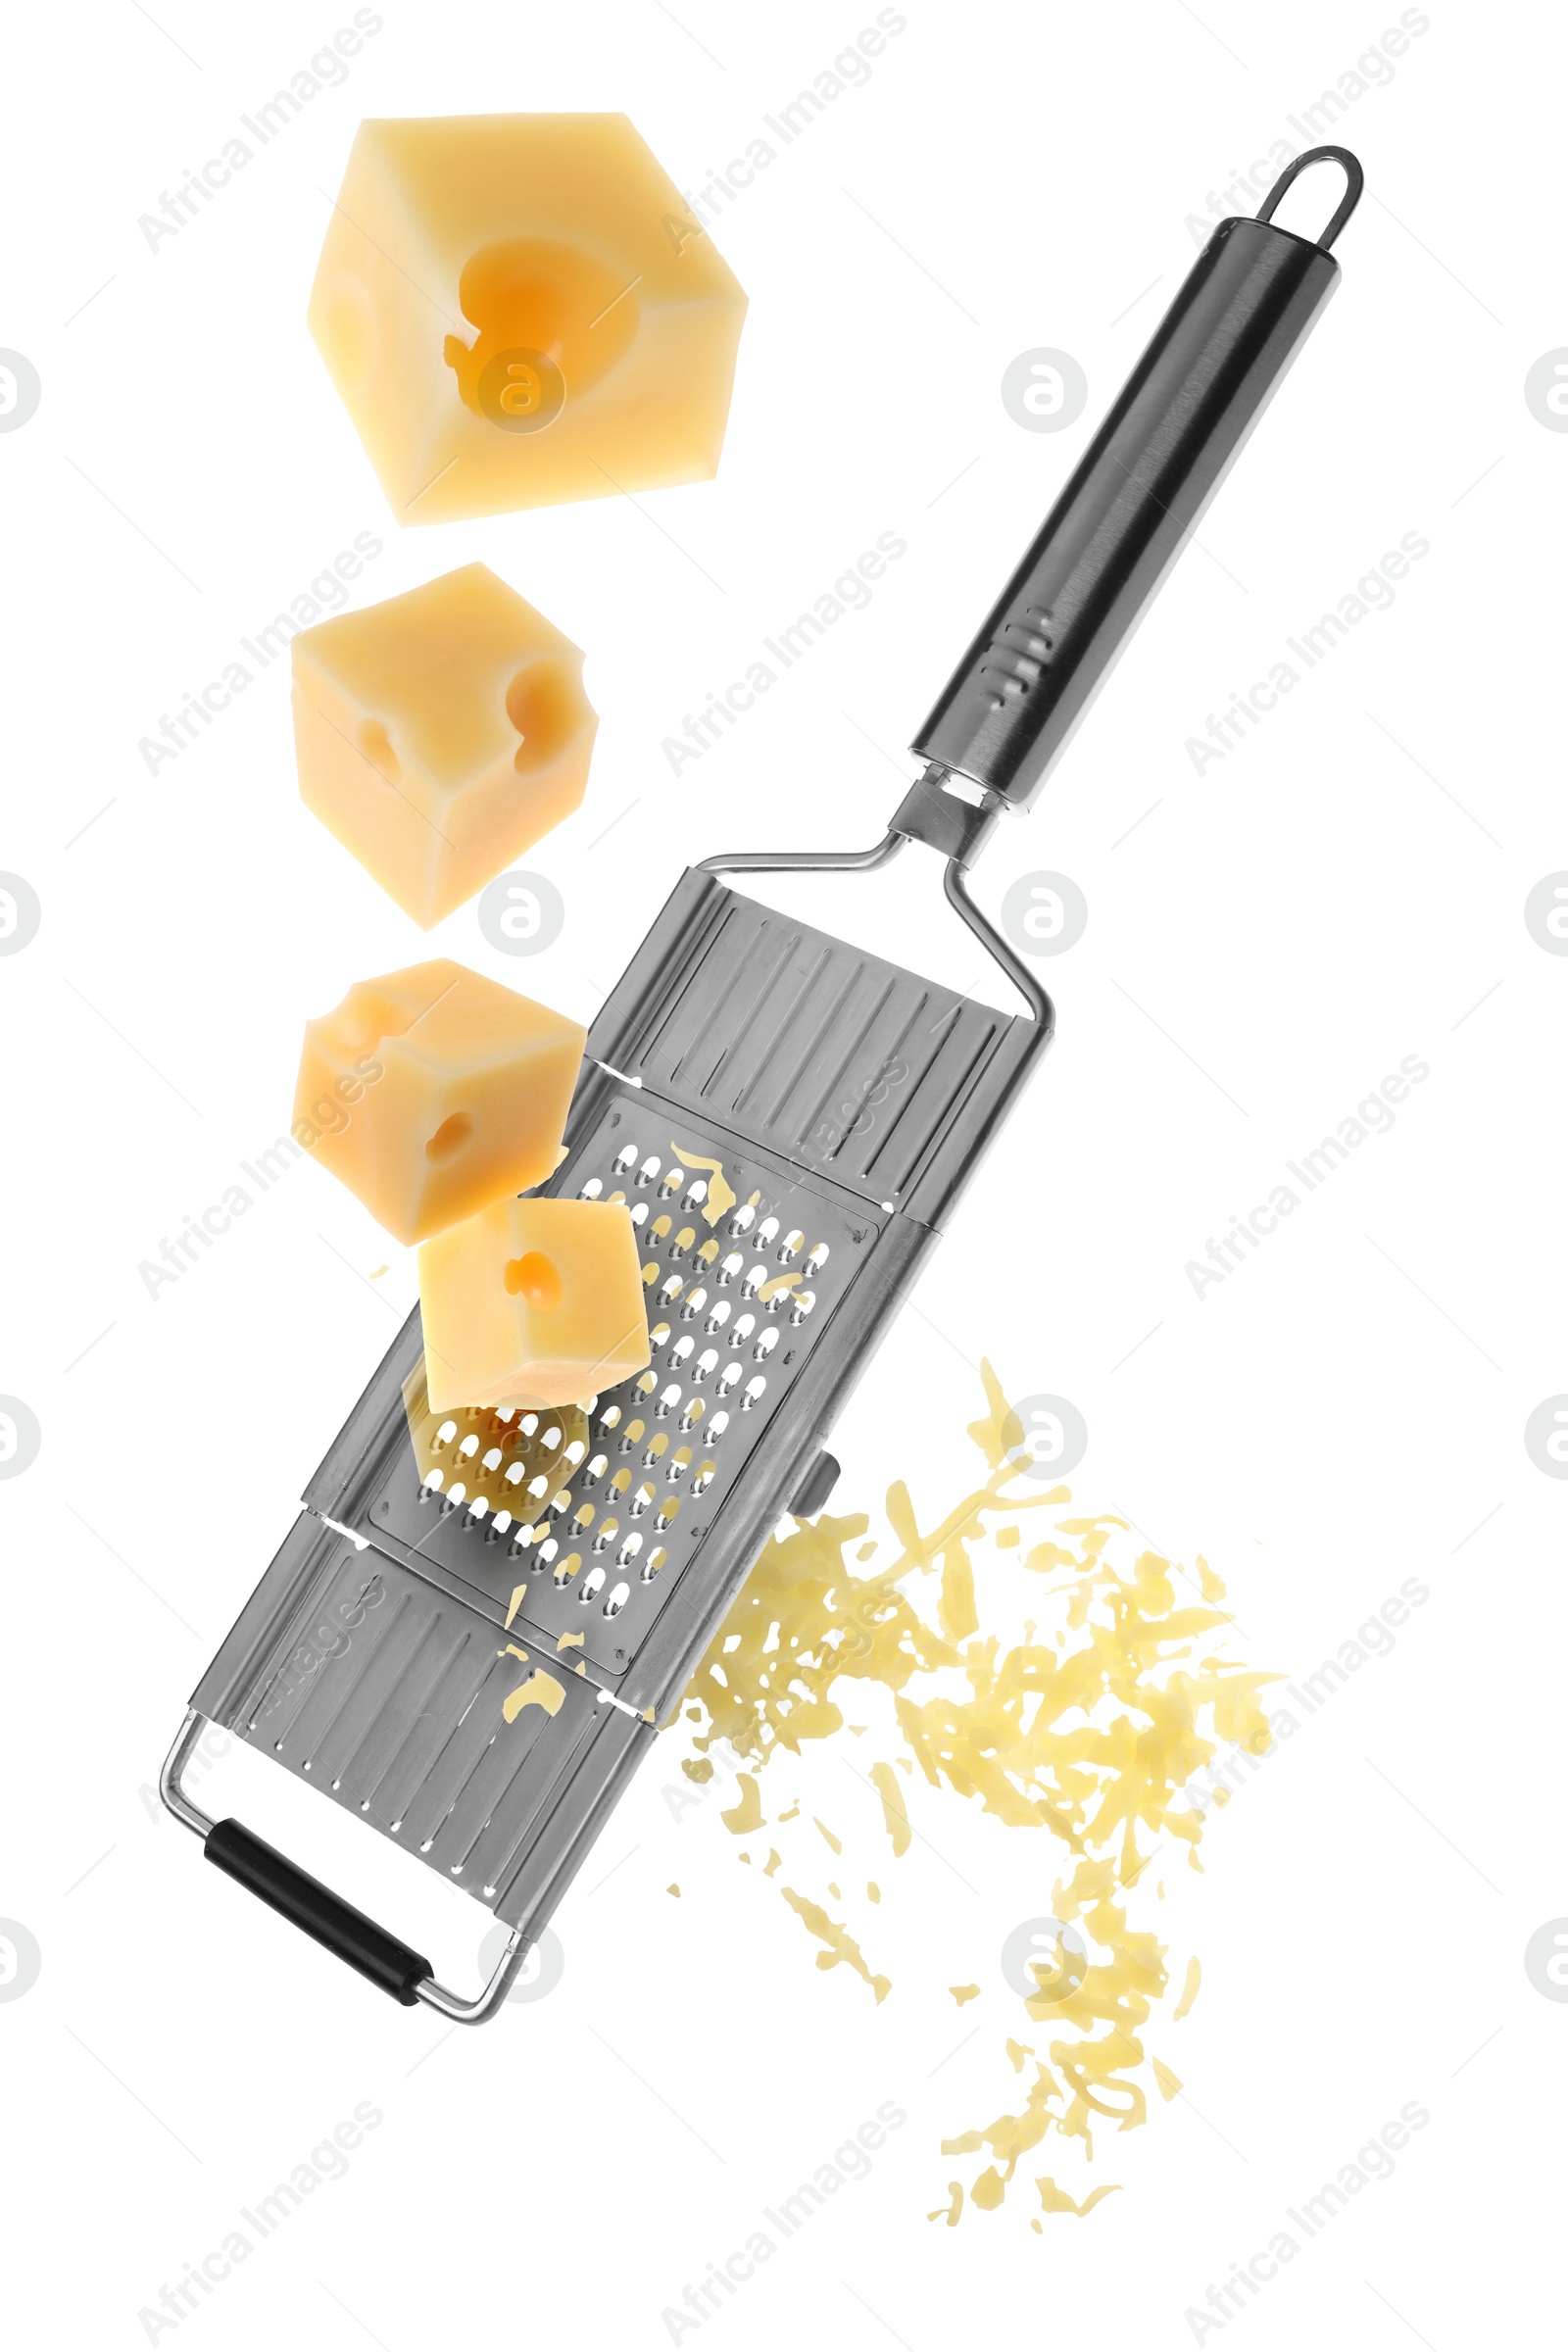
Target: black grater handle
(387,1962)
(317,1910)
(1133,500)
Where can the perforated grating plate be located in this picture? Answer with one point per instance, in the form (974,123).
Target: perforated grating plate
(598,1546)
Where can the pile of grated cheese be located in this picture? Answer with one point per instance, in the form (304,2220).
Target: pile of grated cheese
(1089,1731)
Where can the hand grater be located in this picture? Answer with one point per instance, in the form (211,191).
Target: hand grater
(440,1561)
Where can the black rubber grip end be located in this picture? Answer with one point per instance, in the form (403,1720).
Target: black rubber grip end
(317,1910)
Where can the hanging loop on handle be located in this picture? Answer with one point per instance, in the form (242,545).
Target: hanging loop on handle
(1354,181)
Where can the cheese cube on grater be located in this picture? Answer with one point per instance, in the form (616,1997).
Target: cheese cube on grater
(418,1676)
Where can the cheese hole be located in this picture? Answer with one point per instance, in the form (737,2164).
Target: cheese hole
(376,745)
(361,1021)
(545,704)
(535,297)
(449,1139)
(534,1279)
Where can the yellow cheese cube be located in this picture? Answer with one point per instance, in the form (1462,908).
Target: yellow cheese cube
(533,1303)
(431,1091)
(440,734)
(521,308)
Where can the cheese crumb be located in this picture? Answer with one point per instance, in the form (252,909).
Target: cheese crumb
(895,1819)
(1194,1978)
(541,1690)
(747,1814)
(1056,2201)
(720,1195)
(841,1945)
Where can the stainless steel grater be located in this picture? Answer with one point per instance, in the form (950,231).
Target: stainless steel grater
(847,1101)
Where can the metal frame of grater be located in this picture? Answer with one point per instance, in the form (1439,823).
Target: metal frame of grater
(848,1101)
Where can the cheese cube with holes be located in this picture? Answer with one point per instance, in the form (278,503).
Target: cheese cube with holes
(521,308)
(533,1303)
(431,1091)
(440,735)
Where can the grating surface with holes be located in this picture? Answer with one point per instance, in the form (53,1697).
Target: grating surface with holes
(480,1450)
(595,1545)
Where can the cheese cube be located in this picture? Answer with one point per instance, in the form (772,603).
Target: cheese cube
(521,308)
(533,1303)
(440,734)
(431,1091)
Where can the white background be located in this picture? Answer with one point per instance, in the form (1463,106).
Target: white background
(1341,1414)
